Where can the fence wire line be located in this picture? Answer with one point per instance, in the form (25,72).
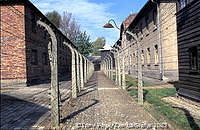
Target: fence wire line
(23,38)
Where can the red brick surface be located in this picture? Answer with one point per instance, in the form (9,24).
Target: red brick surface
(13,57)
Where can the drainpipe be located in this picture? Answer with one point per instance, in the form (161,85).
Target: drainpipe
(161,69)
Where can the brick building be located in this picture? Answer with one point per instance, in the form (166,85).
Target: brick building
(188,29)
(155,29)
(24,45)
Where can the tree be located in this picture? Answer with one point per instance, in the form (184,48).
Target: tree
(54,17)
(70,27)
(99,43)
(83,43)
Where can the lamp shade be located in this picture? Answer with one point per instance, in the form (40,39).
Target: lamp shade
(108,25)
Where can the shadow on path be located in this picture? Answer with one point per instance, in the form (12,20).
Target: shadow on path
(87,91)
(193,124)
(18,113)
(72,115)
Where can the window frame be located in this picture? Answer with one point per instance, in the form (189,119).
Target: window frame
(192,50)
(156,55)
(183,3)
(148,56)
(142,57)
(33,22)
(44,58)
(34,57)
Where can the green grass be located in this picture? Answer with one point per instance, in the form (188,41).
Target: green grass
(164,111)
(114,77)
(8,88)
(130,81)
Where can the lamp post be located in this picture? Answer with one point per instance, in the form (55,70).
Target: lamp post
(140,82)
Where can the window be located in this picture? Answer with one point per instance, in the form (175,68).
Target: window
(156,54)
(148,55)
(183,3)
(33,22)
(44,58)
(133,59)
(61,44)
(142,57)
(136,34)
(193,53)
(155,17)
(60,60)
(147,22)
(128,37)
(45,34)
(34,57)
(141,28)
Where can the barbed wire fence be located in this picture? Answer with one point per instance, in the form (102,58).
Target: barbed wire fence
(143,38)
(77,60)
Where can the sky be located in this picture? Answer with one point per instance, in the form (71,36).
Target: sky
(91,15)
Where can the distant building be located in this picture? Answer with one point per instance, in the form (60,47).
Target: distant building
(24,45)
(96,60)
(188,28)
(106,50)
(155,29)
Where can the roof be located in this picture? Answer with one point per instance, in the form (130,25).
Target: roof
(118,42)
(106,48)
(94,58)
(128,20)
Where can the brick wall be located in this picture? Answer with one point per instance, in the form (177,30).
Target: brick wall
(13,57)
(37,39)
(149,41)
(24,46)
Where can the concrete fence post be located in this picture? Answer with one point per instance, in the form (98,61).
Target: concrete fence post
(123,73)
(111,67)
(81,71)
(88,70)
(77,70)
(53,57)
(73,69)
(116,69)
(106,62)
(85,70)
(119,70)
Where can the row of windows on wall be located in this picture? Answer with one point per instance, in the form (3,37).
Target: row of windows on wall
(148,55)
(140,27)
(34,58)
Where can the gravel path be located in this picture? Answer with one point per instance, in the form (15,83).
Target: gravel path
(102,104)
